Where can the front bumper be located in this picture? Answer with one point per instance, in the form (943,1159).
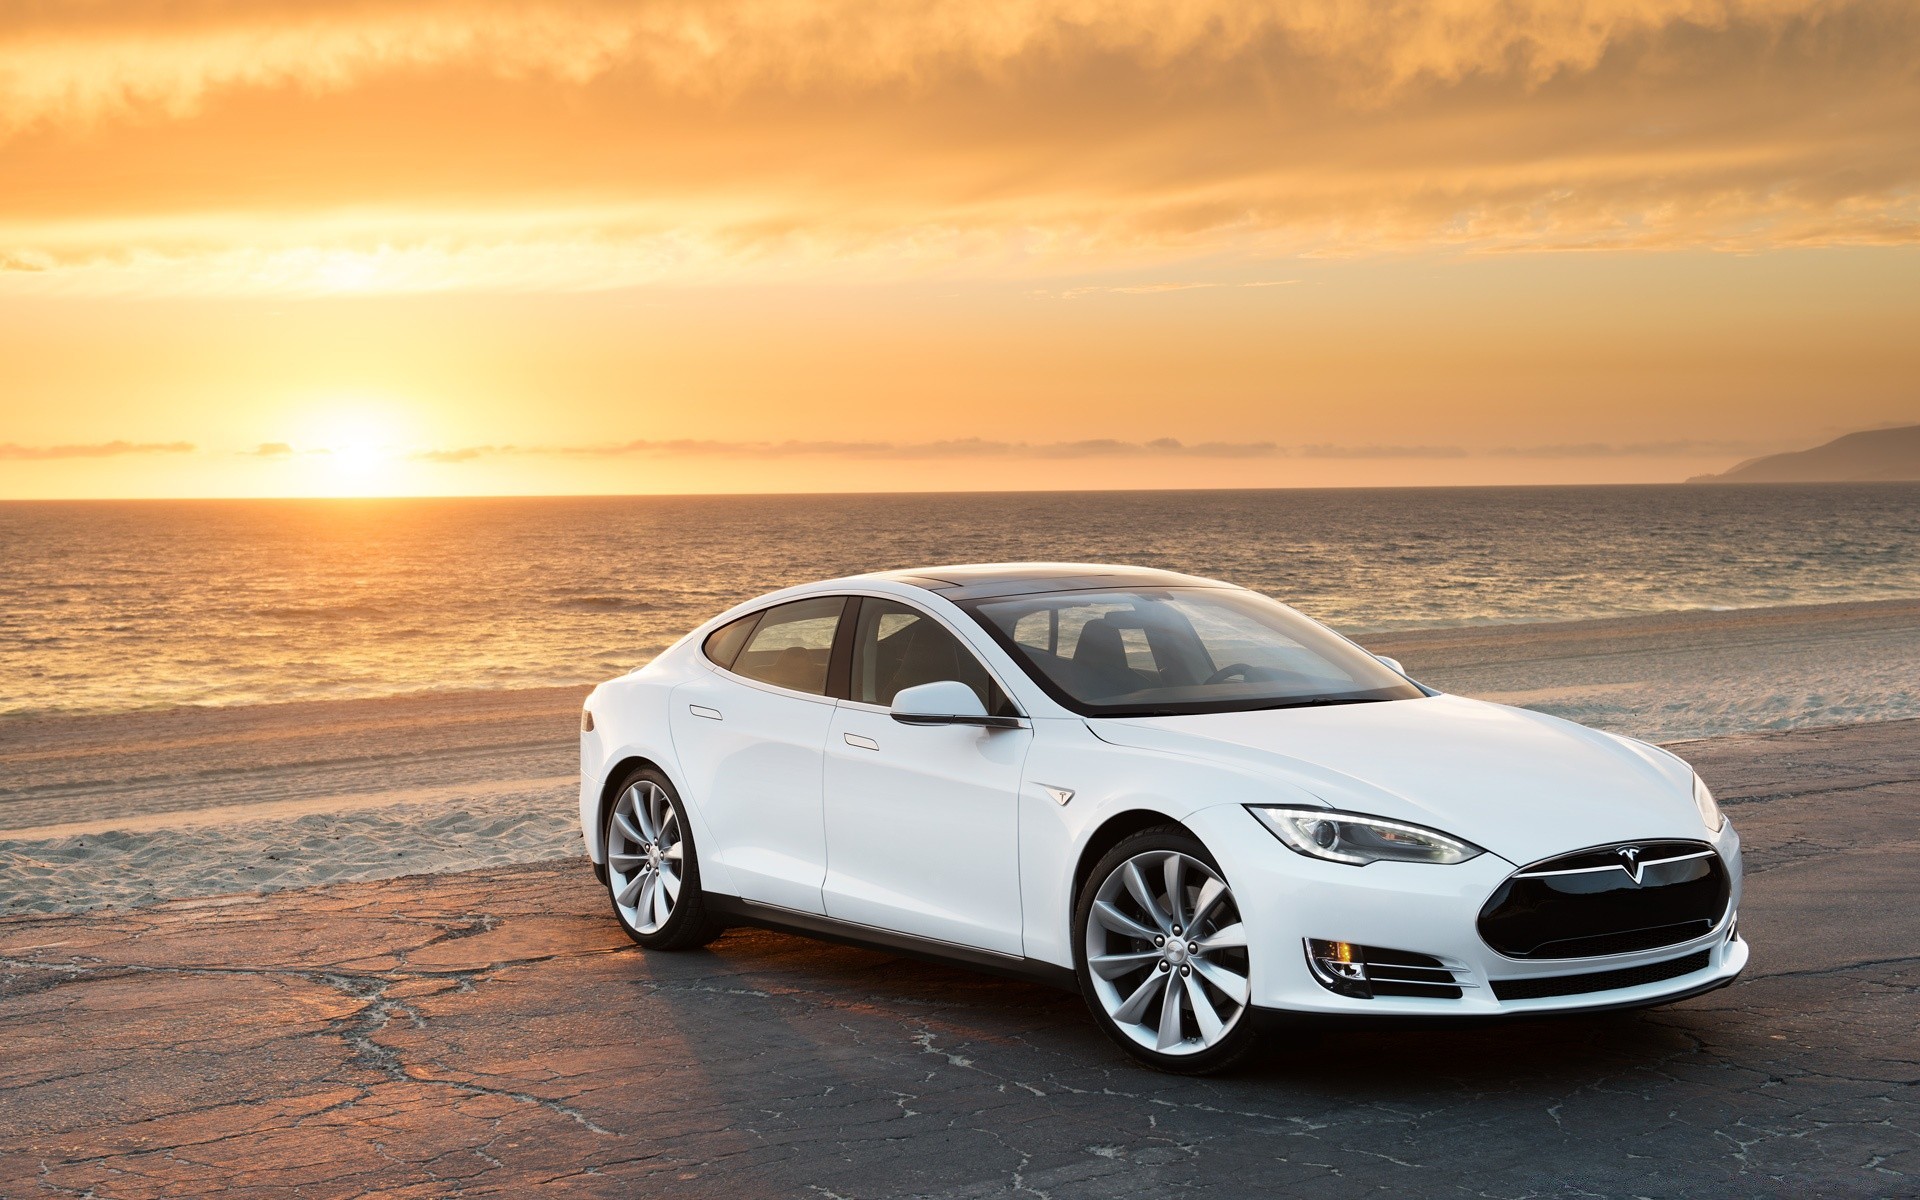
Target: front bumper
(1286,898)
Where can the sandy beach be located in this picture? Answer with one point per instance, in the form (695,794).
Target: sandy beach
(139,807)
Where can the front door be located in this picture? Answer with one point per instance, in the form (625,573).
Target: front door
(922,821)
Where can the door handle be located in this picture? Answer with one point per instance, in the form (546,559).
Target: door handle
(860,740)
(701,710)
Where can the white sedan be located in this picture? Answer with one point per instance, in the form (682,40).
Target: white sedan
(1197,807)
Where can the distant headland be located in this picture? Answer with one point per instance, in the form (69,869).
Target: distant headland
(1871,456)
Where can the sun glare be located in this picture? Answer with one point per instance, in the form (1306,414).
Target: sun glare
(358,458)
(355,453)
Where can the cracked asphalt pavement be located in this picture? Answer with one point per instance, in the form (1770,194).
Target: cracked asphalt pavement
(493,1033)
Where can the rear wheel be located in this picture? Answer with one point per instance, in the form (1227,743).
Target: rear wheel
(1162,955)
(652,874)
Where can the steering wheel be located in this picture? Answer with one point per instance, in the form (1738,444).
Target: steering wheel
(1228,672)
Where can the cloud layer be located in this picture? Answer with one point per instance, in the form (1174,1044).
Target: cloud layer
(1095,448)
(342,145)
(114,449)
(953,449)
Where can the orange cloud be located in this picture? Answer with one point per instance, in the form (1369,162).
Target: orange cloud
(344,146)
(115,449)
(1092,448)
(146,59)
(958,448)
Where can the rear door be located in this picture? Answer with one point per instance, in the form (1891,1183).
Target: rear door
(750,737)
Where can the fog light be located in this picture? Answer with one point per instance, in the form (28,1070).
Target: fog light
(1340,967)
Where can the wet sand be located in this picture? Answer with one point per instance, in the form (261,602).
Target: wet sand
(139,807)
(159,769)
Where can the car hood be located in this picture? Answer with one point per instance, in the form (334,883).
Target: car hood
(1522,784)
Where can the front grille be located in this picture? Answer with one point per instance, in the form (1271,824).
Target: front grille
(1608,900)
(1598,981)
(1625,942)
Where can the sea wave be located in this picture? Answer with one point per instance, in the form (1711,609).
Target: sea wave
(321,612)
(116,606)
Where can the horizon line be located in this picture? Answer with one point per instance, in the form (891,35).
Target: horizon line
(1373,487)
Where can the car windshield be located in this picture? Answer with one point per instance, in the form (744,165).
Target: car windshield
(1174,650)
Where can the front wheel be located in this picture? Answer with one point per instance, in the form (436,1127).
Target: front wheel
(1162,954)
(652,874)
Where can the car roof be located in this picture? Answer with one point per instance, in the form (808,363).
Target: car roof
(983,581)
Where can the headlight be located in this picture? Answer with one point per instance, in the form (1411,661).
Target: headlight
(1709,811)
(1358,840)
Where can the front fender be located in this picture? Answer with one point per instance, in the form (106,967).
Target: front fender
(1108,782)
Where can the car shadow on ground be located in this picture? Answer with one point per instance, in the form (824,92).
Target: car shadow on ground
(1018,1030)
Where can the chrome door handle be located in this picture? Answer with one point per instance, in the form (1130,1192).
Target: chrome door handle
(701,710)
(864,743)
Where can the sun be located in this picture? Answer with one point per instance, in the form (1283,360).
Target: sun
(357,458)
(355,452)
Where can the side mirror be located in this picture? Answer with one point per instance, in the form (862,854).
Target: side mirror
(946,702)
(1392,662)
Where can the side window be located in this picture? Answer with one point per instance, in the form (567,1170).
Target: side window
(896,646)
(723,644)
(791,644)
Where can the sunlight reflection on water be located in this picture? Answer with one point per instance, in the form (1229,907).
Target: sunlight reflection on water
(112,606)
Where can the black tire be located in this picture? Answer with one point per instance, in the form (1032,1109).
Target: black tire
(688,925)
(1241,1036)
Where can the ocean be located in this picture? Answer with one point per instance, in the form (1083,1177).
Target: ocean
(116,606)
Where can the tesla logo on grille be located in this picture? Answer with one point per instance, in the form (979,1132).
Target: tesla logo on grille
(1630,862)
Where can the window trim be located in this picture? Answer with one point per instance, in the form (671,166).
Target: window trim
(840,657)
(725,625)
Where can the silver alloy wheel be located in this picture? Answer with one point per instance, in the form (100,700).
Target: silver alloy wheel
(1166,952)
(644,853)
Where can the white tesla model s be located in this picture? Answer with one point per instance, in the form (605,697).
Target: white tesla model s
(1197,807)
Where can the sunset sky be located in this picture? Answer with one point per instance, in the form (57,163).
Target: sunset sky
(299,247)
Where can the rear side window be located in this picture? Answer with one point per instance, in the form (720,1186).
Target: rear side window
(791,644)
(723,644)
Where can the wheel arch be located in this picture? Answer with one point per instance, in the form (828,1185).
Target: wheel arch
(1111,831)
(610,788)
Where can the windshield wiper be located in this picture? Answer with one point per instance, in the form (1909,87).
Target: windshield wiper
(1325,701)
(1307,702)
